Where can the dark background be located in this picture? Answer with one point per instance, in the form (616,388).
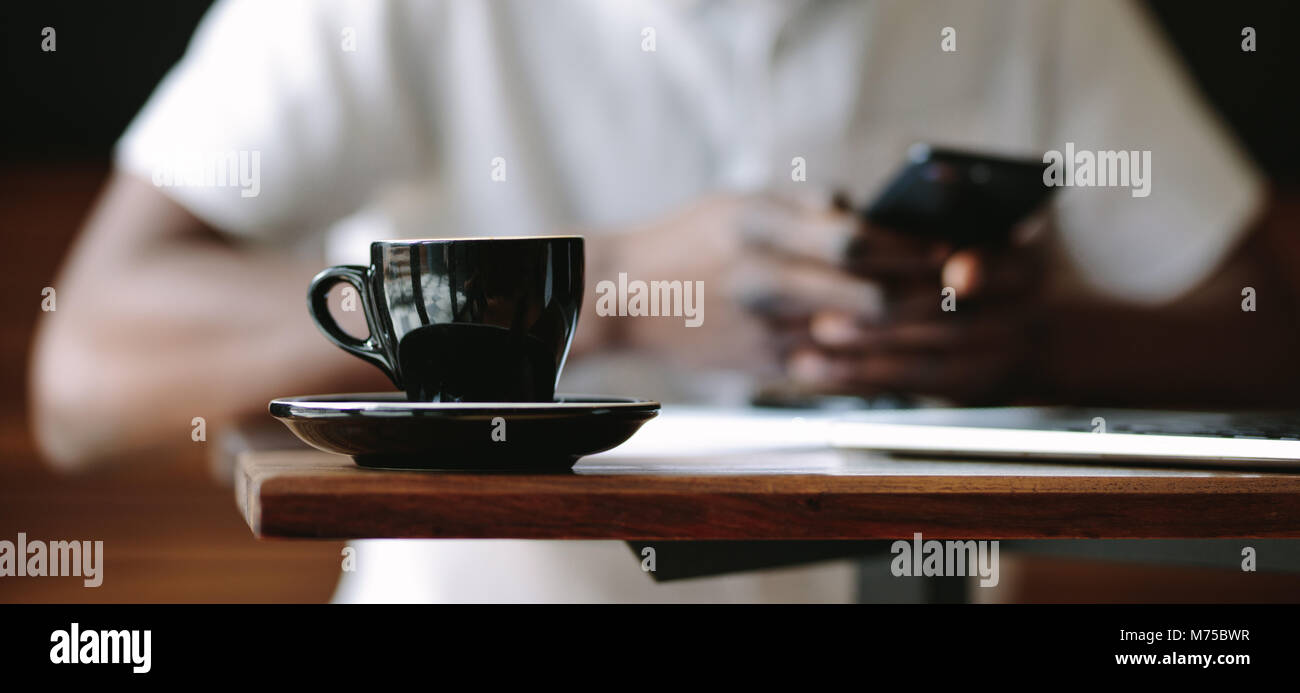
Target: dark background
(171,529)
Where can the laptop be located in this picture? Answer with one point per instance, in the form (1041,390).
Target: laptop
(1218,439)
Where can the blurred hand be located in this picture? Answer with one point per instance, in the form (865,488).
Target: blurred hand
(977,352)
(767,264)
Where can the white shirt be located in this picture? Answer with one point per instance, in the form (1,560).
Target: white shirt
(400,137)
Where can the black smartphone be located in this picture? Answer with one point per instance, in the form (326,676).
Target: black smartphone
(962,197)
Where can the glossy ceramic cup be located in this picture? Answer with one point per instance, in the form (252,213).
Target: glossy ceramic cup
(463,320)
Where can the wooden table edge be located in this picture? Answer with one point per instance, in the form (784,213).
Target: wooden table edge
(814,506)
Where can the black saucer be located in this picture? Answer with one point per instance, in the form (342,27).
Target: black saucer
(384,430)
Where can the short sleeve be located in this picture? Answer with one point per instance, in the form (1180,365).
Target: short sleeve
(281,117)
(1119,87)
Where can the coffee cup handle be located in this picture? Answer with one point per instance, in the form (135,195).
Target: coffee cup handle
(370,348)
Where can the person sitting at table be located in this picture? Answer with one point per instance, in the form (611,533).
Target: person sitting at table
(688,141)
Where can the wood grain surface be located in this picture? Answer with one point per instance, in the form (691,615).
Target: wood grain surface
(313,494)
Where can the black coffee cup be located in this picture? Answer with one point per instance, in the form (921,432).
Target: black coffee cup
(466,319)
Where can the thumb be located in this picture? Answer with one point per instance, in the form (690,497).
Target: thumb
(964,271)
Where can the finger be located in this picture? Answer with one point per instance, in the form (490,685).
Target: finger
(964,271)
(797,228)
(992,273)
(808,367)
(921,300)
(783,289)
(840,333)
(815,230)
(784,343)
(836,330)
(1000,271)
(959,376)
(887,254)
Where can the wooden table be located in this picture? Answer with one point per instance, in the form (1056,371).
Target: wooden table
(781,494)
